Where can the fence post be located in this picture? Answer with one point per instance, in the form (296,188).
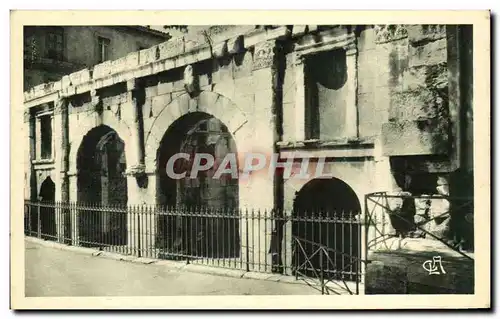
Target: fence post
(138,233)
(321,271)
(29,219)
(39,223)
(247,241)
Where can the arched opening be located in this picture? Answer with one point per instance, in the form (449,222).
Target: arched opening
(47,197)
(214,232)
(102,182)
(326,212)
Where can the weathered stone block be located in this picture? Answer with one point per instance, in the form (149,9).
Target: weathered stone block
(151,91)
(204,80)
(389,32)
(164,88)
(243,85)
(148,55)
(158,103)
(415,105)
(225,89)
(299,30)
(414,138)
(147,108)
(225,73)
(417,78)
(102,70)
(366,40)
(369,117)
(366,84)
(79,77)
(242,65)
(424,33)
(428,54)
(119,65)
(245,102)
(288,121)
(158,66)
(171,48)
(262,80)
(65,82)
(132,60)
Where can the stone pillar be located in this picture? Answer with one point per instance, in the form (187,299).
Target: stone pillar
(32,156)
(265,238)
(300,98)
(351,114)
(61,140)
(135,111)
(140,228)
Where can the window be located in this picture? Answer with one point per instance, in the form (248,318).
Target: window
(103,48)
(46,136)
(54,43)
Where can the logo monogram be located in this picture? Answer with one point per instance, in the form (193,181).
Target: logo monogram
(434,266)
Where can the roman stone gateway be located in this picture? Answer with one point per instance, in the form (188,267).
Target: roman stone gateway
(388,107)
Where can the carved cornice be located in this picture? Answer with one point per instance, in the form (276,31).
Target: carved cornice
(136,170)
(264,55)
(390,32)
(346,42)
(60,105)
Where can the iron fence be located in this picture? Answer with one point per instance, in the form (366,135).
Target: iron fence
(451,222)
(325,246)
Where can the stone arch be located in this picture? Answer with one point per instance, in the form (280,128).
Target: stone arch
(91,121)
(101,166)
(47,213)
(194,133)
(334,207)
(208,102)
(348,176)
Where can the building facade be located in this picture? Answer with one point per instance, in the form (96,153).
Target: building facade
(50,52)
(388,106)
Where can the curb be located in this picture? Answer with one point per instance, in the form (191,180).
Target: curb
(176,265)
(172,265)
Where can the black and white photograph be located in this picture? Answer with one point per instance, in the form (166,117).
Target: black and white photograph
(323,161)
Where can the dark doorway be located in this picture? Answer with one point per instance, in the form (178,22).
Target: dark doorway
(214,232)
(102,188)
(47,198)
(325,212)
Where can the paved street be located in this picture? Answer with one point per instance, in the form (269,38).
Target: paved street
(55,272)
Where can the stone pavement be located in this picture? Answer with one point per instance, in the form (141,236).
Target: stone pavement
(65,271)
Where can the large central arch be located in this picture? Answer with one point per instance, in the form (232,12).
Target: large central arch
(214,232)
(101,182)
(325,212)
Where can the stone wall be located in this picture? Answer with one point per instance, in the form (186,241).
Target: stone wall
(394,81)
(419,93)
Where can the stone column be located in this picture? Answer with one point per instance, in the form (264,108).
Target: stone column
(351,114)
(140,232)
(300,98)
(31,120)
(263,190)
(135,111)
(61,141)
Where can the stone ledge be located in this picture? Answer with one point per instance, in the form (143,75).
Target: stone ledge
(104,74)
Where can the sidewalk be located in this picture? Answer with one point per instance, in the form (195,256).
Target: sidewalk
(56,270)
